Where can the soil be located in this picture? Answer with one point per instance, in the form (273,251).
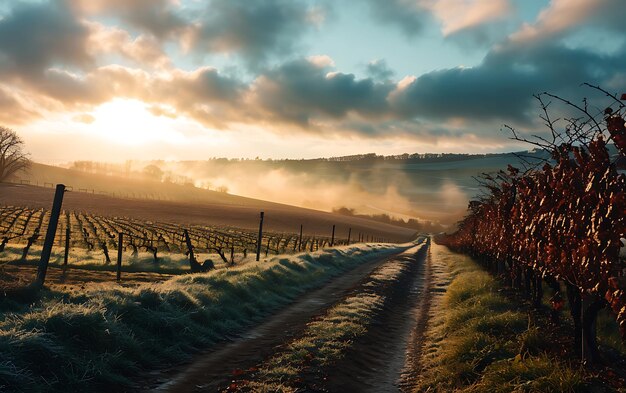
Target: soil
(223,210)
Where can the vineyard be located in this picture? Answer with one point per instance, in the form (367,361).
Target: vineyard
(23,229)
(560,223)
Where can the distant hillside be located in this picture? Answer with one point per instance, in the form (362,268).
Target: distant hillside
(426,187)
(118,186)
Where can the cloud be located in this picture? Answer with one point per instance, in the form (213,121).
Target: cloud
(455,16)
(254,30)
(312,96)
(462,15)
(502,86)
(321,61)
(12,109)
(34,36)
(379,70)
(161,18)
(64,63)
(480,93)
(409,15)
(301,91)
(142,50)
(562,16)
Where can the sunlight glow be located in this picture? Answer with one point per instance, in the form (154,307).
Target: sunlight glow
(129,122)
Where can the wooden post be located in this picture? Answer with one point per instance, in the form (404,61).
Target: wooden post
(332,237)
(267,249)
(68,234)
(300,240)
(260,238)
(50,234)
(189,246)
(193,264)
(120,239)
(349,233)
(232,254)
(61,239)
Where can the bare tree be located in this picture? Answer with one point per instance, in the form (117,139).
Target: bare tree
(12,156)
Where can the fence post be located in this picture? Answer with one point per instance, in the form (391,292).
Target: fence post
(50,234)
(193,264)
(120,239)
(332,238)
(349,233)
(260,238)
(68,233)
(300,240)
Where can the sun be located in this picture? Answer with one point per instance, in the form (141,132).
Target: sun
(130,122)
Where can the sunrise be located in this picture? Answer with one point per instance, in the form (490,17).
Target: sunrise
(312,195)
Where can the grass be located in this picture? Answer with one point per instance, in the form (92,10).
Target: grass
(323,342)
(609,340)
(102,337)
(481,342)
(608,333)
(79,258)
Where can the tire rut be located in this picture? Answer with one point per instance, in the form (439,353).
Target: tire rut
(386,357)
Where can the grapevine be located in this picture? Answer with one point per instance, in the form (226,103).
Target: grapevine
(560,220)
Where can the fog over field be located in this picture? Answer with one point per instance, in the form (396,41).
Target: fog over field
(425,187)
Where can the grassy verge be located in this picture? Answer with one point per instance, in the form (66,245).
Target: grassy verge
(168,263)
(481,342)
(325,340)
(101,337)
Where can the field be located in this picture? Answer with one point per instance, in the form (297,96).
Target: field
(223,231)
(215,209)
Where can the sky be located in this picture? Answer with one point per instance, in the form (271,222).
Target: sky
(110,80)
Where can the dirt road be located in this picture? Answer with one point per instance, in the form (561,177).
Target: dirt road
(385,359)
(213,369)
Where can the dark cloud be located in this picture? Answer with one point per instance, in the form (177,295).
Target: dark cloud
(300,91)
(35,36)
(479,93)
(205,95)
(379,70)
(254,29)
(406,14)
(502,87)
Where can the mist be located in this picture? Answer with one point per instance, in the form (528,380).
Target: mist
(394,189)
